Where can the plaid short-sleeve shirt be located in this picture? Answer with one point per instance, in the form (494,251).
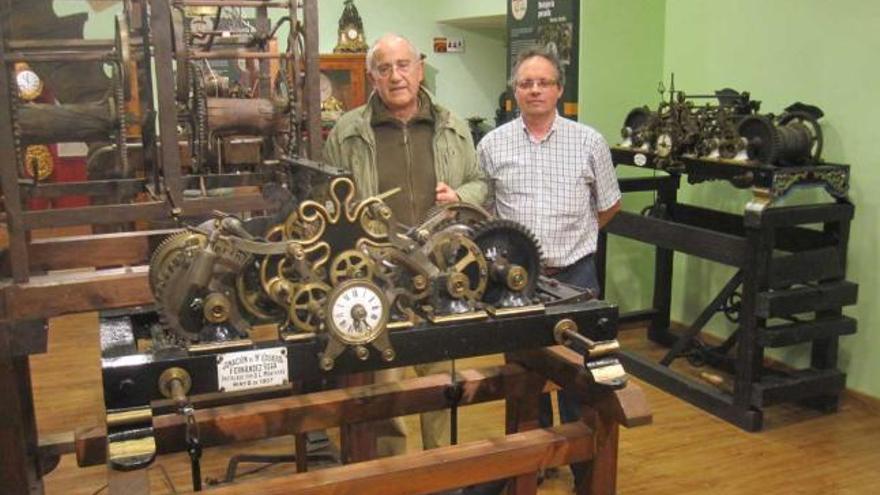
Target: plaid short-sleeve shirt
(555,186)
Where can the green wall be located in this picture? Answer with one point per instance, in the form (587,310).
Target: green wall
(621,62)
(468,83)
(781,51)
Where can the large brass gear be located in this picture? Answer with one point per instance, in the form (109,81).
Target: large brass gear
(169,268)
(167,251)
(462,261)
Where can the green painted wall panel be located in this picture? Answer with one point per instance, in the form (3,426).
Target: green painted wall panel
(621,63)
(783,51)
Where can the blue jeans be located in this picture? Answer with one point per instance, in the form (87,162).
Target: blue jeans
(582,273)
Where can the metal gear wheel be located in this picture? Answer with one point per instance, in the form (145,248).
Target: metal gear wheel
(454,213)
(514,258)
(307,307)
(168,250)
(460,259)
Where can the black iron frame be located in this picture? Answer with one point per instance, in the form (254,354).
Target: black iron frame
(131,378)
(784,268)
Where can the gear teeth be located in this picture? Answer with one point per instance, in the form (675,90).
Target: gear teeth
(166,248)
(469,208)
(499,223)
(529,256)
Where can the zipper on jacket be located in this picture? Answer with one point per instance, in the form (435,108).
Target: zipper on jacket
(409,170)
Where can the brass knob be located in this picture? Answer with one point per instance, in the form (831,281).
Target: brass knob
(174,383)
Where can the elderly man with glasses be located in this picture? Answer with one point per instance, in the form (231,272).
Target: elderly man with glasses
(402,138)
(554,176)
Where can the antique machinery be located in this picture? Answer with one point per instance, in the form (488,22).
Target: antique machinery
(238,108)
(731,130)
(343,273)
(345,288)
(789,285)
(102,120)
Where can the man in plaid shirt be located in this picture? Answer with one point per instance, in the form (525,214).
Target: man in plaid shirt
(554,176)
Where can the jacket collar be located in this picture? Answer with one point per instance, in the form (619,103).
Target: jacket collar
(361,127)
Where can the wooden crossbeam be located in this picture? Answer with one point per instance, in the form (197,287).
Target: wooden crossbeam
(99,250)
(46,296)
(439,469)
(320,410)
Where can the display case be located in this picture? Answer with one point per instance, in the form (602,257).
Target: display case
(344,85)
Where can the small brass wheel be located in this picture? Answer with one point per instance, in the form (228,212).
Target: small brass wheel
(306,313)
(351,264)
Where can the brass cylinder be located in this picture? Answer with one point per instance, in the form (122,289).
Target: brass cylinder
(175,383)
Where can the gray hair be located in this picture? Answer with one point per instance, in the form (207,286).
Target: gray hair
(537,52)
(388,38)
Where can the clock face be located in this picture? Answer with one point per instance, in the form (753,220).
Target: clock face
(29,84)
(352,33)
(358,312)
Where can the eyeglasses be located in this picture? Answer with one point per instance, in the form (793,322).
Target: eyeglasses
(402,66)
(527,84)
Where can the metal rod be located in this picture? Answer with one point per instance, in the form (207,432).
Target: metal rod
(235,54)
(59,56)
(233,3)
(66,43)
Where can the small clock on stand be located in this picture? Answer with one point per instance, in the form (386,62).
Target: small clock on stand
(351,31)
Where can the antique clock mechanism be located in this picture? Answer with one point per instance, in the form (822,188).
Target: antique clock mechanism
(351,31)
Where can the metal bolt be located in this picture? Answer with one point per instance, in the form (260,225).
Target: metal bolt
(362,352)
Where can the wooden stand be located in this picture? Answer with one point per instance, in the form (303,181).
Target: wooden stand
(784,269)
(518,456)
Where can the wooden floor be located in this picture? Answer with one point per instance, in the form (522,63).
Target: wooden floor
(685,450)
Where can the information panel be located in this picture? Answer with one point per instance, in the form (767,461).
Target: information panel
(553,25)
(251,369)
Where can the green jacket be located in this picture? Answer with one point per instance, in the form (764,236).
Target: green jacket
(351,145)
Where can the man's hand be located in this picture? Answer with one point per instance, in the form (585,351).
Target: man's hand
(445,194)
(605,216)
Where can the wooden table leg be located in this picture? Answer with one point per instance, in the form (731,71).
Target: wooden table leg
(358,440)
(522,415)
(18,427)
(600,477)
(135,482)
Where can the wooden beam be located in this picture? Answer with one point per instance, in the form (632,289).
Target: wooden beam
(438,469)
(627,406)
(9,168)
(99,250)
(54,295)
(320,410)
(89,215)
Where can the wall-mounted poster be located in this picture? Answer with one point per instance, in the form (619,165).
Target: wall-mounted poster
(553,25)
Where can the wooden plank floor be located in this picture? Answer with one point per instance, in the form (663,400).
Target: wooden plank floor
(685,451)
